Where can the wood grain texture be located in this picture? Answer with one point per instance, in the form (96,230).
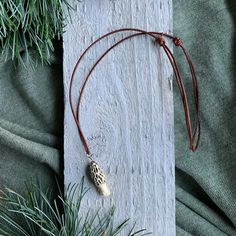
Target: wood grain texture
(126,113)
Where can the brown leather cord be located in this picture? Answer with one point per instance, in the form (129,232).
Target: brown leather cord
(197,130)
(182,91)
(159,37)
(194,136)
(76,114)
(76,117)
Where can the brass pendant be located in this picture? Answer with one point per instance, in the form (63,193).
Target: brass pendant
(99,178)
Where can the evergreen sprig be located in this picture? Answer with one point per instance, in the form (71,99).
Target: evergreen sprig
(28,24)
(38,215)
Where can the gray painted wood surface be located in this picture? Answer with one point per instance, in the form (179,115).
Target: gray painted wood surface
(126,113)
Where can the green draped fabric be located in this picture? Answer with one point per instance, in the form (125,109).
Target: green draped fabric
(206,180)
(31,121)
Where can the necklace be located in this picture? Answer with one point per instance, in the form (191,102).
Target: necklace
(193,128)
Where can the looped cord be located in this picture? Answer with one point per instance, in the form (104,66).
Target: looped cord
(193,134)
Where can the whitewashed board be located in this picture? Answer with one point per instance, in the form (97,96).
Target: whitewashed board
(126,113)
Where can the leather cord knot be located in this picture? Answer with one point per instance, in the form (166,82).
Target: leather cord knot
(177,41)
(160,40)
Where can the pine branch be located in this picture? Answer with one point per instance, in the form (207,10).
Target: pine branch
(39,215)
(30,24)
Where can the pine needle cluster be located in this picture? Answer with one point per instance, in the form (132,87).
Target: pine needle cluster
(36,214)
(26,24)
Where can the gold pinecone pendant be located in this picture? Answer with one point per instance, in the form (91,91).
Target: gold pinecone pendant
(99,178)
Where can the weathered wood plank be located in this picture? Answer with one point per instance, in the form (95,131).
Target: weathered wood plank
(127,111)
